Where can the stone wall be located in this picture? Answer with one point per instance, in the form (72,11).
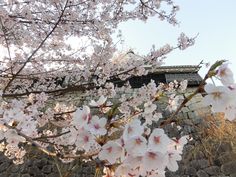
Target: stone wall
(196,162)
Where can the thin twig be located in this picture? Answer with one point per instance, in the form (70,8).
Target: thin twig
(36,50)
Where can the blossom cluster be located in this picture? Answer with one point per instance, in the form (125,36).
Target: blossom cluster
(143,153)
(93,132)
(222,97)
(58,57)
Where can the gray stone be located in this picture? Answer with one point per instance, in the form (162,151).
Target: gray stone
(3,158)
(47,169)
(229,168)
(185,109)
(188,129)
(224,147)
(40,163)
(33,170)
(4,174)
(170,174)
(25,175)
(202,173)
(14,175)
(190,171)
(198,120)
(213,170)
(195,164)
(52,175)
(191,115)
(15,168)
(195,106)
(181,168)
(40,175)
(203,163)
(188,122)
(228,157)
(4,166)
(199,155)
(233,175)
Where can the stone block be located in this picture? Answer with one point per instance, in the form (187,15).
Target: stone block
(190,171)
(229,168)
(227,157)
(203,163)
(25,175)
(213,170)
(47,169)
(4,166)
(202,173)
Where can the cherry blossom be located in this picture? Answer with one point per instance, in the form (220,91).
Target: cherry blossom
(123,170)
(218,97)
(173,157)
(98,103)
(158,140)
(149,107)
(97,125)
(85,140)
(58,56)
(178,144)
(136,145)
(12,137)
(132,129)
(111,151)
(173,102)
(81,117)
(225,74)
(230,112)
(153,160)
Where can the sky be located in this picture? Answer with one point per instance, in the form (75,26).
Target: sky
(213,20)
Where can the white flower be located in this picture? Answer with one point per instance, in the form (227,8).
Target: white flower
(178,144)
(133,162)
(123,170)
(230,108)
(12,137)
(98,103)
(149,107)
(132,129)
(28,127)
(136,145)
(153,160)
(184,41)
(81,117)
(217,96)
(97,126)
(173,103)
(173,157)
(149,118)
(230,112)
(85,140)
(225,74)
(158,140)
(111,151)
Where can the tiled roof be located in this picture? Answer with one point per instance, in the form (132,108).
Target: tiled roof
(178,69)
(166,74)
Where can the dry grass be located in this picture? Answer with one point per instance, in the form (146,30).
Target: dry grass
(216,132)
(220,130)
